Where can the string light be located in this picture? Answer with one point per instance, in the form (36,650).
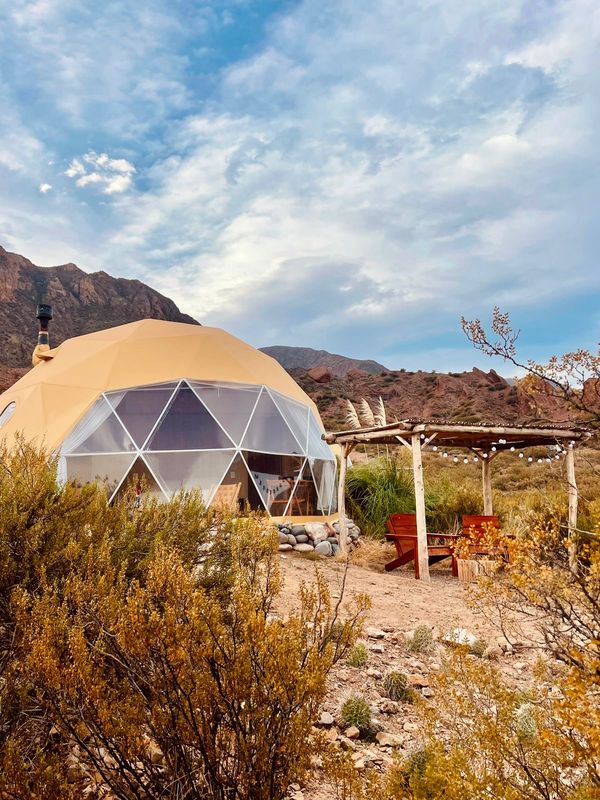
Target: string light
(475,460)
(466,460)
(434,448)
(484,455)
(512,449)
(455,459)
(445,455)
(521,455)
(493,448)
(530,459)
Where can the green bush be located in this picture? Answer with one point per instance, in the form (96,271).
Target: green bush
(376,490)
(395,685)
(421,640)
(478,648)
(356,712)
(359,655)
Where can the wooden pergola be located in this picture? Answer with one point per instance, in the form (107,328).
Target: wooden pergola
(485,441)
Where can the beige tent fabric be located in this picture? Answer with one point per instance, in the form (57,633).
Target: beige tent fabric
(53,396)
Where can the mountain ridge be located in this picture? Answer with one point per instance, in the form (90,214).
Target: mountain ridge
(308,358)
(82,302)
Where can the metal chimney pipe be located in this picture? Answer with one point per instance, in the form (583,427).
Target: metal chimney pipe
(44,315)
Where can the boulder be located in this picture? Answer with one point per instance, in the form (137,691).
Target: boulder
(326,720)
(388,739)
(317,531)
(284,547)
(301,538)
(352,732)
(324,548)
(283,539)
(461,636)
(303,547)
(320,374)
(291,539)
(375,633)
(296,529)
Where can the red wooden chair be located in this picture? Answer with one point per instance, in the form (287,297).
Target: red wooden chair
(403,533)
(475,528)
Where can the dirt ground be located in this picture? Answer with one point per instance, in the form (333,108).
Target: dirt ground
(398,600)
(399,604)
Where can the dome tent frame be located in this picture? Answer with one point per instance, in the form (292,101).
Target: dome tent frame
(301,429)
(54,397)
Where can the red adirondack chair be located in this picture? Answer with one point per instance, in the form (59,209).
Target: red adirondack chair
(402,531)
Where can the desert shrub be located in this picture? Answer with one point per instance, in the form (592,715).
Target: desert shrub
(422,639)
(396,687)
(478,648)
(151,668)
(377,489)
(359,655)
(538,744)
(356,712)
(450,499)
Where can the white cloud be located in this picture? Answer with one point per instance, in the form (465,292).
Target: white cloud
(111,175)
(45,188)
(364,176)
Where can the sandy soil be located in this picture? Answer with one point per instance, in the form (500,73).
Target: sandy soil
(399,604)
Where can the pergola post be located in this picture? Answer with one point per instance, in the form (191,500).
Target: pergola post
(422,554)
(572,506)
(346,449)
(486,474)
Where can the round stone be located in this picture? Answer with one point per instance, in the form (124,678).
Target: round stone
(324,548)
(304,548)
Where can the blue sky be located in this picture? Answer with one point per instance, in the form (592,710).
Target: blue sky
(342,175)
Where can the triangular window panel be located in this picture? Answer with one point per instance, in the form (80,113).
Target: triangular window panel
(324,473)
(139,483)
(296,416)
(317,447)
(268,431)
(304,502)
(232,407)
(98,432)
(190,470)
(236,492)
(139,409)
(188,425)
(274,477)
(106,469)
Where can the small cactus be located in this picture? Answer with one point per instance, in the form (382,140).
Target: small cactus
(525,725)
(478,648)
(422,639)
(356,712)
(359,655)
(395,685)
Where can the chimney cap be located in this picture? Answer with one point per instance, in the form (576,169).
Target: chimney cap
(44,312)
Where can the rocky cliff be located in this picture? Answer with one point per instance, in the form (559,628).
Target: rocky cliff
(83,302)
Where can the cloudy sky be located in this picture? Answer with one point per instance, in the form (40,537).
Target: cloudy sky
(338,174)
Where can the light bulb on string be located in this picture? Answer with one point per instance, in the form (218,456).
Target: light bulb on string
(465,460)
(539,460)
(475,460)
(445,455)
(493,448)
(530,459)
(455,459)
(484,455)
(512,449)
(434,448)
(521,455)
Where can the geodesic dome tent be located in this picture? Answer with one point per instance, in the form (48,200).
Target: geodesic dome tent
(168,406)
